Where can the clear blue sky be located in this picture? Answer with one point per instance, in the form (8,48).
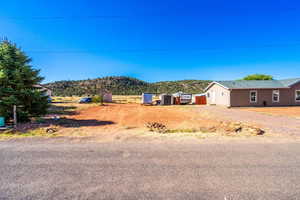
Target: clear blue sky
(156,40)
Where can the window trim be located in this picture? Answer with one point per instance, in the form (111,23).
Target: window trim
(273,92)
(256,96)
(296,95)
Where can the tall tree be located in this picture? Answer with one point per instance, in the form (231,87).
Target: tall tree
(258,77)
(18,81)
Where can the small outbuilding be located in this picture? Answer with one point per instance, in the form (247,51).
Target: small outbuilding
(182,98)
(147,98)
(166,99)
(107,97)
(200,99)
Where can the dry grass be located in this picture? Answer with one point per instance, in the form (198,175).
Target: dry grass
(73,99)
(70,108)
(9,134)
(123,99)
(130,98)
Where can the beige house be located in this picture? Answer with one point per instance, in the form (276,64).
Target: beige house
(254,93)
(46,91)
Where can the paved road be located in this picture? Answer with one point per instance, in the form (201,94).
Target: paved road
(277,124)
(51,169)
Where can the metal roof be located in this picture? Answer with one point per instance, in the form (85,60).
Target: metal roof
(256,84)
(290,82)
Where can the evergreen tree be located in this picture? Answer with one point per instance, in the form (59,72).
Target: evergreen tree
(18,81)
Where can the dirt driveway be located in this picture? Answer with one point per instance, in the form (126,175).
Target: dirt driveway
(282,124)
(291,111)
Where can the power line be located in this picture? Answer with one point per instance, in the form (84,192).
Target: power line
(164,50)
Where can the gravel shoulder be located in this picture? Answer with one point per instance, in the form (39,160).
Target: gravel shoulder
(285,125)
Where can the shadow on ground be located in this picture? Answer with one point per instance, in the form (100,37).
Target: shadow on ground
(62,110)
(63,122)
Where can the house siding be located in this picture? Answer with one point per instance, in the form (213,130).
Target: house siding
(241,97)
(222,95)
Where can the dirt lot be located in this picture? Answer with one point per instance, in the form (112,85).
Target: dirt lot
(279,111)
(111,122)
(124,121)
(136,116)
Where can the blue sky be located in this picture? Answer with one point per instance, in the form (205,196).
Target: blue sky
(156,40)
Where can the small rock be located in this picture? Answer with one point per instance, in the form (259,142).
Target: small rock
(238,129)
(51,130)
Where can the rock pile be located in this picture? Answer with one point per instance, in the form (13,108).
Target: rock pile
(156,127)
(230,127)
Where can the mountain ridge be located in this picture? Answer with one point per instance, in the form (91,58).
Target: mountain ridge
(123,85)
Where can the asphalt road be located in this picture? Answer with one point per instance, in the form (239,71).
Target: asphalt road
(50,169)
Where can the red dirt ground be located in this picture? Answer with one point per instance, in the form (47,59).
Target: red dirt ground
(136,116)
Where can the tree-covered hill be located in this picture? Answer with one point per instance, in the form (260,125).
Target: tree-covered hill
(124,86)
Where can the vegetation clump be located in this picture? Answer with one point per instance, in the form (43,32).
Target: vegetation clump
(157,127)
(97,99)
(258,77)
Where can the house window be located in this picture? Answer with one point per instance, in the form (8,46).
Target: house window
(275,96)
(297,96)
(208,95)
(253,96)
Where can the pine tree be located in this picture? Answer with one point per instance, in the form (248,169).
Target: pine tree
(18,81)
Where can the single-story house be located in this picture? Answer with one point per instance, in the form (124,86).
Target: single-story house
(254,93)
(46,91)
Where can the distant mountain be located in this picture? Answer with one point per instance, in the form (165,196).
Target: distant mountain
(120,85)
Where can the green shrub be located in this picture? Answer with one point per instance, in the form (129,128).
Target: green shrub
(97,99)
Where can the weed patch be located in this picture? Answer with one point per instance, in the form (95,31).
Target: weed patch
(10,134)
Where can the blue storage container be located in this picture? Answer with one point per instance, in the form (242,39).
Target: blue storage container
(2,122)
(146,98)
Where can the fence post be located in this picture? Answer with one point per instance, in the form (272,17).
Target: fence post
(15,116)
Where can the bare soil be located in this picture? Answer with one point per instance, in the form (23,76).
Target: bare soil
(293,111)
(136,116)
(112,122)
(120,122)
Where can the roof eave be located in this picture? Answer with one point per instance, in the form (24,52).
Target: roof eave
(215,82)
(294,83)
